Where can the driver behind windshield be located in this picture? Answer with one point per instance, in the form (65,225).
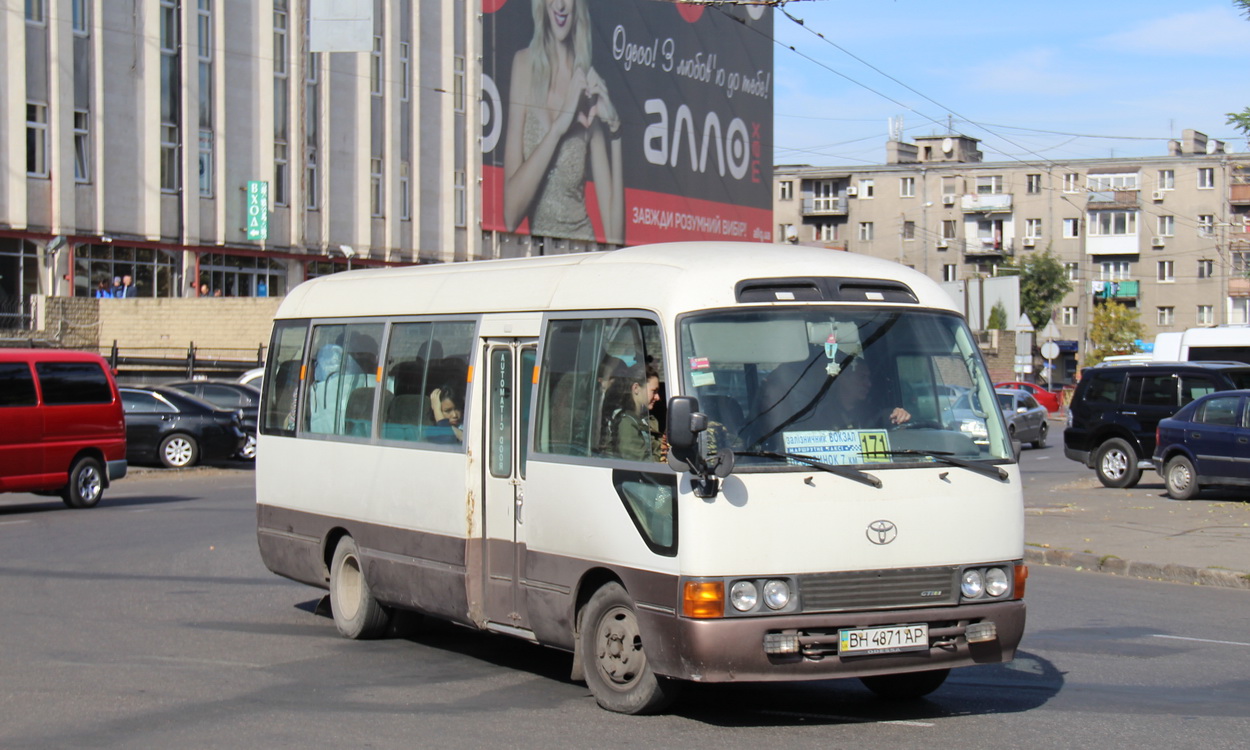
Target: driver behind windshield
(842,392)
(852,402)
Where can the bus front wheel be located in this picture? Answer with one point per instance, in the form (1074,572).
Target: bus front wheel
(907,686)
(357,614)
(615,662)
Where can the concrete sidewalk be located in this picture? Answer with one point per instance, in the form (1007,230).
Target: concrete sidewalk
(1140,532)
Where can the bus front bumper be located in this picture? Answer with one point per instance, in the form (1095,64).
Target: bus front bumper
(733,649)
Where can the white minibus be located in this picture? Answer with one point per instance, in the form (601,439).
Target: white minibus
(698,462)
(1211,344)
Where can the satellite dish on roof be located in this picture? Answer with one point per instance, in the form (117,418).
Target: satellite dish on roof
(948,145)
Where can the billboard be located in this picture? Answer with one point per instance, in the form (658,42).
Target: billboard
(627,121)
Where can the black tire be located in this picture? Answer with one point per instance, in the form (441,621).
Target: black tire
(357,615)
(86,484)
(1115,462)
(1181,478)
(179,450)
(909,686)
(615,663)
(1041,436)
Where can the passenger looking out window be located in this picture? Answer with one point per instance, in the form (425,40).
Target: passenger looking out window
(633,432)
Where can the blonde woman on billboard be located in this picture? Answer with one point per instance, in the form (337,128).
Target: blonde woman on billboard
(560,119)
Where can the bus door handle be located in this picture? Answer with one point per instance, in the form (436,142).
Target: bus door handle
(518,491)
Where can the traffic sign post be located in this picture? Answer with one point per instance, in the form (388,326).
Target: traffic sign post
(1050,350)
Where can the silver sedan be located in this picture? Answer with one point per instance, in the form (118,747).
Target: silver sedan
(1026,419)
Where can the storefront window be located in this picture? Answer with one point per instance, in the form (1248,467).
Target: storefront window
(242,276)
(153,270)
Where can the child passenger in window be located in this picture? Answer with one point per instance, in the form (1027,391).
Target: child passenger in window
(448,407)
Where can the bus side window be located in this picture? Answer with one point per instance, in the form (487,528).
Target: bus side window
(340,354)
(422,358)
(567,385)
(286,356)
(586,393)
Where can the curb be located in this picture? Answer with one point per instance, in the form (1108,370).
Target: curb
(1152,571)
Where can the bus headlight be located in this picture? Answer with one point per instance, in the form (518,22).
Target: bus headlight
(996,582)
(972,586)
(776,594)
(744,596)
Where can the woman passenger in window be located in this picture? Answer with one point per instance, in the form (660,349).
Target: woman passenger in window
(632,432)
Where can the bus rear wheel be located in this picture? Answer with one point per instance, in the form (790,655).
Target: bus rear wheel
(909,686)
(357,614)
(616,667)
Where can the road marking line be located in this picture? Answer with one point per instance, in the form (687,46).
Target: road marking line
(13,523)
(1201,640)
(852,719)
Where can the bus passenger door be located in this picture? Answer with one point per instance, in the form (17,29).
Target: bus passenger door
(510,367)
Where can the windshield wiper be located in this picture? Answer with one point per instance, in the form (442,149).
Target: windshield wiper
(842,471)
(996,472)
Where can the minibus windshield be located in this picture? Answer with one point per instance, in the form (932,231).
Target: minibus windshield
(864,387)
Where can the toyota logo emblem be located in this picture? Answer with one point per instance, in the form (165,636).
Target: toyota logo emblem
(881,532)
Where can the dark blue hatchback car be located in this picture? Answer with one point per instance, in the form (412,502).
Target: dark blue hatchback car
(1206,443)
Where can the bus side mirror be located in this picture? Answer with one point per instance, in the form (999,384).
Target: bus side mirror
(688,447)
(684,423)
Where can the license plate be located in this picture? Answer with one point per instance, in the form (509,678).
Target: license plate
(887,640)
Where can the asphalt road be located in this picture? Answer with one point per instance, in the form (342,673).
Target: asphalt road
(150,622)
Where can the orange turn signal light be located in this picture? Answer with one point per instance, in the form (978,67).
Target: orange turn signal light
(703,599)
(1022,575)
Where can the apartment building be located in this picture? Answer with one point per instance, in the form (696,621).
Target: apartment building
(239,147)
(1166,235)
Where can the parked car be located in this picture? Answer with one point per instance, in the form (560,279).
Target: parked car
(176,429)
(1115,411)
(228,394)
(253,377)
(61,425)
(1044,397)
(1206,443)
(1025,417)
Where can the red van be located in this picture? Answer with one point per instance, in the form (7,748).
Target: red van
(62,429)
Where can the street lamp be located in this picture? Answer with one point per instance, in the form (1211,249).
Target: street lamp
(348,252)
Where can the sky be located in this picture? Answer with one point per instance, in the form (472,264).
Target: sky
(1047,79)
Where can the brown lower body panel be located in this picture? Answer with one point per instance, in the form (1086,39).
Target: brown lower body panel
(413,570)
(441,576)
(732,649)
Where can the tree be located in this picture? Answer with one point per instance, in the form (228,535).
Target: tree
(1112,330)
(998,318)
(1043,284)
(1241,120)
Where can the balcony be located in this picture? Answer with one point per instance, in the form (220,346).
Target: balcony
(1107,199)
(1239,287)
(981,248)
(825,206)
(1118,290)
(986,203)
(1239,195)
